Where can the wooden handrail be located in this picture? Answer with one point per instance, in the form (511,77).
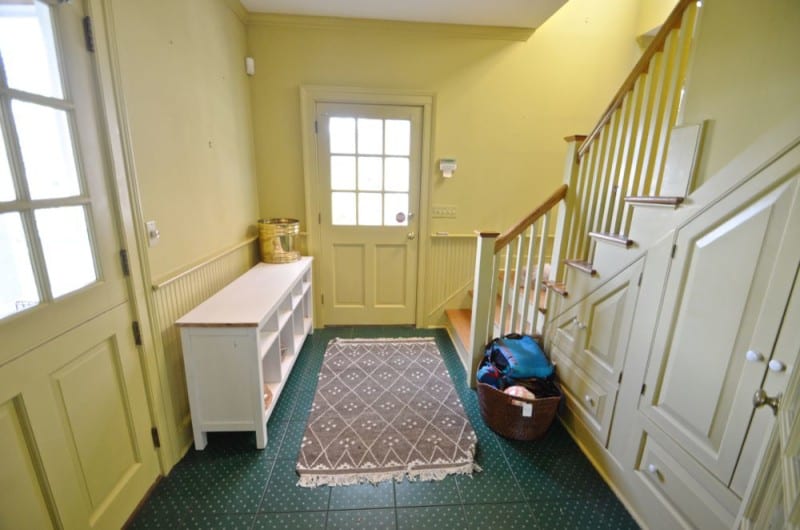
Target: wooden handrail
(507,236)
(673,21)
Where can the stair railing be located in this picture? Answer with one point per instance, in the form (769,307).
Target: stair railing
(624,155)
(518,257)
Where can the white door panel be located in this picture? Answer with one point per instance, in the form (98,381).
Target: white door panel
(732,270)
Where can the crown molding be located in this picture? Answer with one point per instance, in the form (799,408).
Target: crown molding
(238,9)
(358,24)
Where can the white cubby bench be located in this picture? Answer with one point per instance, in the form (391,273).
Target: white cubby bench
(240,345)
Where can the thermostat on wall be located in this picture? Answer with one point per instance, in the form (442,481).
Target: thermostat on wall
(447,166)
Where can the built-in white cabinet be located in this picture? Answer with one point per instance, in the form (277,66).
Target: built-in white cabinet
(660,363)
(240,345)
(588,345)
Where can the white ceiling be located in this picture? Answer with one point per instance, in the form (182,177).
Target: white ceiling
(513,13)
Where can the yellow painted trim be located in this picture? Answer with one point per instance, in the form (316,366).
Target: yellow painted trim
(351,24)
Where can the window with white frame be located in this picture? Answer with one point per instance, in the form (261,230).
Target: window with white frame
(46,248)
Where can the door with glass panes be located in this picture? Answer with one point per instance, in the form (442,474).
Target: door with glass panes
(74,420)
(369,166)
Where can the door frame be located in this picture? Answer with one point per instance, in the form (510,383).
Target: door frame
(123,185)
(310,95)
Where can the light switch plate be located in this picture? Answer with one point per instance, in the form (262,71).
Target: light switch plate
(444,211)
(153,235)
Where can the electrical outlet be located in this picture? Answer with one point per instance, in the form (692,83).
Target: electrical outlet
(444,211)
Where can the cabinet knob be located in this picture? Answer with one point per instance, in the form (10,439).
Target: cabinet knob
(578,323)
(589,400)
(753,356)
(776,366)
(760,398)
(652,469)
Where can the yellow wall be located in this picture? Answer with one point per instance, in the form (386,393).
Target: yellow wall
(653,13)
(188,103)
(746,73)
(501,107)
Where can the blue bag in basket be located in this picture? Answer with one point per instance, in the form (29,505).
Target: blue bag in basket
(519,357)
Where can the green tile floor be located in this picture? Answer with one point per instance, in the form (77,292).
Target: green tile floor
(542,484)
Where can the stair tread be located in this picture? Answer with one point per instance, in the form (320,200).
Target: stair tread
(656,200)
(581,265)
(618,239)
(557,287)
(461,320)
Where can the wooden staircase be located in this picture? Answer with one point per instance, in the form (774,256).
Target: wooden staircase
(634,160)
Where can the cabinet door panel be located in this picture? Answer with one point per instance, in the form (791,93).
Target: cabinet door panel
(594,333)
(724,295)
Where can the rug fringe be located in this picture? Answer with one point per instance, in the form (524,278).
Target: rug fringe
(413,475)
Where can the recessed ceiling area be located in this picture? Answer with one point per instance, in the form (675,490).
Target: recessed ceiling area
(509,13)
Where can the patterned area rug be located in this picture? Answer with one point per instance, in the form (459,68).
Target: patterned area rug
(384,409)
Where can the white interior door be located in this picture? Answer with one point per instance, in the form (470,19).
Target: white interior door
(369,169)
(74,420)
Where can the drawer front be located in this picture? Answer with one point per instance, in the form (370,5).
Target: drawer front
(594,333)
(685,487)
(590,400)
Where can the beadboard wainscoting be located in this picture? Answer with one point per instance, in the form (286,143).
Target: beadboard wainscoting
(175,296)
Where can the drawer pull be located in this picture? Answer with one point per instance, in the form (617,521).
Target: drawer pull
(578,323)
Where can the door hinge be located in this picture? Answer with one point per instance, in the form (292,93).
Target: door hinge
(639,283)
(644,388)
(322,299)
(316,127)
(319,218)
(88,33)
(619,379)
(123,259)
(137,333)
(156,439)
(674,249)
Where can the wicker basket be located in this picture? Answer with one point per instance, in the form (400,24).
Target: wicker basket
(504,416)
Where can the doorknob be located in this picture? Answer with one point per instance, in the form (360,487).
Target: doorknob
(411,235)
(760,398)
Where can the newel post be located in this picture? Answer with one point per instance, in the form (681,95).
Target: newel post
(482,324)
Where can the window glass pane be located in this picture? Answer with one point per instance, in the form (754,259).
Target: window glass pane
(343,172)
(398,137)
(370,136)
(6,183)
(47,154)
(394,204)
(18,288)
(396,174)
(67,249)
(343,135)
(369,209)
(370,173)
(28,48)
(343,208)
